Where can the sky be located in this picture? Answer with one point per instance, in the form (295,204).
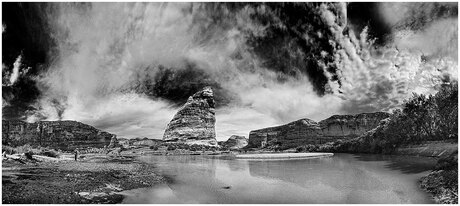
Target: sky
(126,68)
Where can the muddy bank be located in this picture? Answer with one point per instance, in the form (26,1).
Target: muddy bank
(93,180)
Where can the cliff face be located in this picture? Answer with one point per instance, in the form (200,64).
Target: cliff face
(306,131)
(64,135)
(235,142)
(351,125)
(195,121)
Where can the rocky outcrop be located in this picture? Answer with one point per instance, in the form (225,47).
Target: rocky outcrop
(351,125)
(114,143)
(235,142)
(64,135)
(194,123)
(306,131)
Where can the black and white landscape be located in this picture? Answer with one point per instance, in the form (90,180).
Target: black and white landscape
(230,102)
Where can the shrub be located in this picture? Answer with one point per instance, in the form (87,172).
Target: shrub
(50,153)
(171,147)
(29,154)
(300,149)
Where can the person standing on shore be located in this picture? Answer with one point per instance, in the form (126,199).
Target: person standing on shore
(76,155)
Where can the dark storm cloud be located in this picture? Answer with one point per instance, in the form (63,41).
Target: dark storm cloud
(26,36)
(362,14)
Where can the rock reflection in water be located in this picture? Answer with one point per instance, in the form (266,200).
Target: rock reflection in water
(344,178)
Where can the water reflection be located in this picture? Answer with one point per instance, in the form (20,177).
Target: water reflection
(343,178)
(406,164)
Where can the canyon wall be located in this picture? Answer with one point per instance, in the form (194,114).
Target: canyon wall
(64,135)
(306,131)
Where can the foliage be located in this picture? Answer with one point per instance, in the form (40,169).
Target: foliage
(433,117)
(421,118)
(171,147)
(443,181)
(29,150)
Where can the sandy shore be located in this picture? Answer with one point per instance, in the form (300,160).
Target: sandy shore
(284,155)
(98,179)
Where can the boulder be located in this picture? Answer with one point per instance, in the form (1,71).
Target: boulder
(195,121)
(235,142)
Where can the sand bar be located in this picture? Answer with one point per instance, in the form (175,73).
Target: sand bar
(284,155)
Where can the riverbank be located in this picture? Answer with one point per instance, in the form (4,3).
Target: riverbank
(96,179)
(442,182)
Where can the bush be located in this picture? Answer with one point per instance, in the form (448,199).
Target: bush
(50,153)
(300,149)
(29,155)
(171,147)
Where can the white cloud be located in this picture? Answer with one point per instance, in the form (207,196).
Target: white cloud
(16,67)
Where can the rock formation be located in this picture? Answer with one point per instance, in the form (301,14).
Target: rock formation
(194,123)
(114,142)
(235,142)
(64,135)
(306,131)
(351,125)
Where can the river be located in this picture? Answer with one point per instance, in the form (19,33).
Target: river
(343,178)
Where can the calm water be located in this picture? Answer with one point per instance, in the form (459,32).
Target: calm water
(343,178)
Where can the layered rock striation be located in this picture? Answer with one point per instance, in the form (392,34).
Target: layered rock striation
(195,122)
(235,142)
(351,125)
(65,135)
(307,131)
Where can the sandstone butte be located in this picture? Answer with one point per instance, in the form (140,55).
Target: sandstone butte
(194,123)
(306,131)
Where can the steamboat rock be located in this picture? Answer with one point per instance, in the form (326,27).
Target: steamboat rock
(195,122)
(235,142)
(64,135)
(307,131)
